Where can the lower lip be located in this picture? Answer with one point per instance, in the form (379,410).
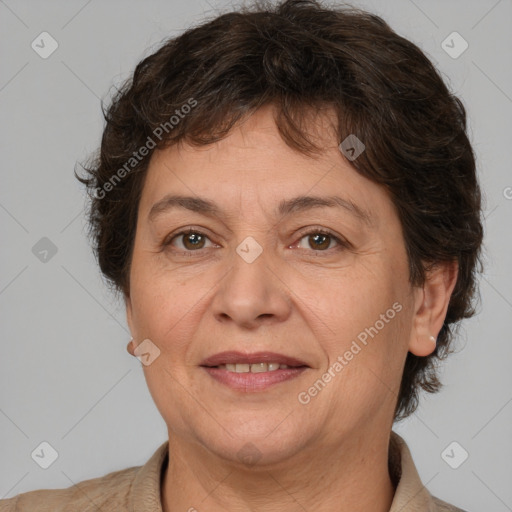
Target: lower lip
(253,381)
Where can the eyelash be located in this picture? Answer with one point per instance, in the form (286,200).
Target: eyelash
(342,244)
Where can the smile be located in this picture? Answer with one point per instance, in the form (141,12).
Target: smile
(253,368)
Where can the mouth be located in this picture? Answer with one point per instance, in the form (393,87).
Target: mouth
(252,368)
(252,372)
(257,362)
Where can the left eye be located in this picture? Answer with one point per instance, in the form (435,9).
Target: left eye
(318,240)
(321,240)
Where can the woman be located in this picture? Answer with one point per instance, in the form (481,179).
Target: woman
(286,198)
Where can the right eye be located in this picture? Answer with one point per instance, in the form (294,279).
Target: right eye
(192,240)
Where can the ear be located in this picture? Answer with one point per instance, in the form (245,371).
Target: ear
(128,306)
(431,306)
(129,319)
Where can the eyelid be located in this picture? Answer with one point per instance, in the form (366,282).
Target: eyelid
(309,230)
(185,231)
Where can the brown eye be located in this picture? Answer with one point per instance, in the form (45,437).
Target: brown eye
(190,241)
(320,240)
(193,241)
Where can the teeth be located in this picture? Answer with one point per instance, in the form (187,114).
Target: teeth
(259,367)
(252,368)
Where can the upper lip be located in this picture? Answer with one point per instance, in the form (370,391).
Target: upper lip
(232,357)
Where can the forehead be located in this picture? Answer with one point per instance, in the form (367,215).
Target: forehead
(253,165)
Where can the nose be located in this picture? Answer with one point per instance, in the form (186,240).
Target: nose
(252,294)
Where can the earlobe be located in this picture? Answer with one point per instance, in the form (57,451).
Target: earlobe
(423,346)
(431,307)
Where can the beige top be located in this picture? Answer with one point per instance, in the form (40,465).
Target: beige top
(137,489)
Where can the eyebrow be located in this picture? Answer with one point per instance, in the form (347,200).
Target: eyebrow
(285,207)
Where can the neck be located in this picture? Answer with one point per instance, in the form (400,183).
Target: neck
(353,476)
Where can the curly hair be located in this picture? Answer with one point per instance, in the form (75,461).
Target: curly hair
(299,57)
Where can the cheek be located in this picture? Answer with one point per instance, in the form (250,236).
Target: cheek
(165,306)
(366,317)
(354,301)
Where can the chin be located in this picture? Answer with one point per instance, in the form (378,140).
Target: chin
(255,441)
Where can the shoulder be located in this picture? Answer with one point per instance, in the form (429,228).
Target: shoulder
(108,492)
(442,506)
(410,494)
(133,488)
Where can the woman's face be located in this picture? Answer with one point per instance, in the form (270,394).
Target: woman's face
(258,276)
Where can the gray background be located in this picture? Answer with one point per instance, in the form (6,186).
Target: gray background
(65,375)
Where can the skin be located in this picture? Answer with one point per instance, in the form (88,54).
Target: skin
(303,298)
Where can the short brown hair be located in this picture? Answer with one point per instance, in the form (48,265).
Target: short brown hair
(299,56)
